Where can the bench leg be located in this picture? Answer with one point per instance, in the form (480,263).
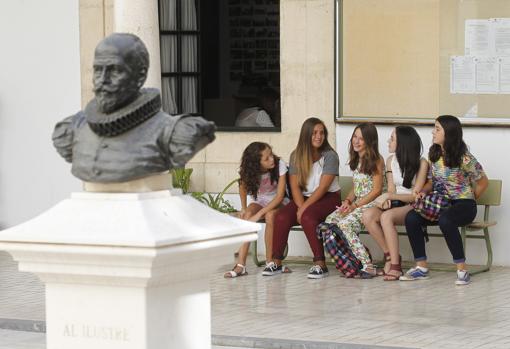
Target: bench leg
(255,255)
(286,251)
(488,246)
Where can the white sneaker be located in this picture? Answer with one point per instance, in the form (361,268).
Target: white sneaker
(317,272)
(416,273)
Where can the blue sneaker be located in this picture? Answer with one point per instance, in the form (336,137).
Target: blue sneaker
(416,273)
(463,277)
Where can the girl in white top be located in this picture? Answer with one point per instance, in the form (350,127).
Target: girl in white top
(406,174)
(263,177)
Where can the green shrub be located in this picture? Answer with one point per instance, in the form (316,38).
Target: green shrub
(217,202)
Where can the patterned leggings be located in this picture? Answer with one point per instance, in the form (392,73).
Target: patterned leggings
(351,225)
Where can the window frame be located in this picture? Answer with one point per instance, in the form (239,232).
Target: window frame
(179,74)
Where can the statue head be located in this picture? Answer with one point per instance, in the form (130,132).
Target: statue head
(121,62)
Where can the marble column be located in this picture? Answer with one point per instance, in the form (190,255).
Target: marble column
(140,17)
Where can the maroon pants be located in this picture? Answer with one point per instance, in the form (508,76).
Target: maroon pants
(286,218)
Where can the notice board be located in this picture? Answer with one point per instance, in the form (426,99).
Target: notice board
(396,59)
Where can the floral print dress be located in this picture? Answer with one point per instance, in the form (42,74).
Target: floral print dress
(351,224)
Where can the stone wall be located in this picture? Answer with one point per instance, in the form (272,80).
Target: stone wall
(307,83)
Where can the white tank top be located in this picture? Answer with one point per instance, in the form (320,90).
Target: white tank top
(398,179)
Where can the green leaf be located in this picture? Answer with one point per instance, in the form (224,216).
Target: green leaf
(181,178)
(217,201)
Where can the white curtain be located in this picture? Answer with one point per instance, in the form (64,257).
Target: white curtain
(168,53)
(189,15)
(189,95)
(167,14)
(189,55)
(168,91)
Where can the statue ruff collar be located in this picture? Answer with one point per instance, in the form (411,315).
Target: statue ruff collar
(146,105)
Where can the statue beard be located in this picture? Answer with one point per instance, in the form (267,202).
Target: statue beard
(111,99)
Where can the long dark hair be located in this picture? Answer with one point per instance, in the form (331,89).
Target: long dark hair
(371,156)
(250,170)
(301,157)
(454,147)
(408,153)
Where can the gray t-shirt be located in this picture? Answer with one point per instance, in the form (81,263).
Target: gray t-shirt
(327,164)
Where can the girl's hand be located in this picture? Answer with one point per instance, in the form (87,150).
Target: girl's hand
(255,218)
(383,205)
(242,213)
(345,206)
(418,196)
(299,214)
(381,199)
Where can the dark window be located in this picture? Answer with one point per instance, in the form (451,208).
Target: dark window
(221,59)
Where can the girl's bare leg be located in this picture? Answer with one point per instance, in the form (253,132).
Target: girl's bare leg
(372,222)
(268,235)
(389,220)
(242,253)
(243,250)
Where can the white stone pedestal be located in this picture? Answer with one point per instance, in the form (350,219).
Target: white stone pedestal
(127,271)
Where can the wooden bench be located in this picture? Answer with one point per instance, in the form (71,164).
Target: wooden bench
(491,197)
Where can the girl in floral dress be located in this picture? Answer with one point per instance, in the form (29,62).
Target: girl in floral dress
(368,179)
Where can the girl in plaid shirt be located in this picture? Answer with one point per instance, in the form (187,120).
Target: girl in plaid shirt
(453,167)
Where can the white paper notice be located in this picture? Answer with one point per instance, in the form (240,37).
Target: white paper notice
(487,74)
(479,37)
(501,36)
(462,74)
(504,74)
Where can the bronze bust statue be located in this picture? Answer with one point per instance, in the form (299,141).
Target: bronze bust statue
(122,134)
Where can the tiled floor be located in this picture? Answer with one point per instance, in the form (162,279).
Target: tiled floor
(290,311)
(21,294)
(21,340)
(432,313)
(32,340)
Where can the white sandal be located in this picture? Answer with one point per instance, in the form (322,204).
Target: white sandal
(233,274)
